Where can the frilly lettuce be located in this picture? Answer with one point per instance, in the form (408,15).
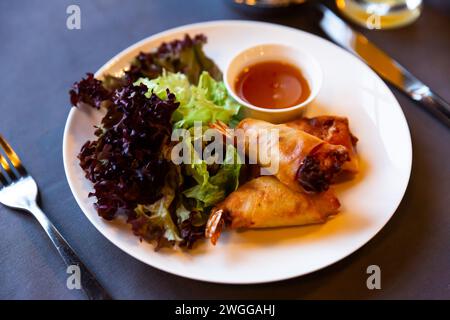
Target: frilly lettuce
(209,190)
(208,102)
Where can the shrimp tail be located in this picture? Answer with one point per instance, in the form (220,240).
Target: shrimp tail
(214,225)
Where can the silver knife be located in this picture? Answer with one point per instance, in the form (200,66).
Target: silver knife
(389,69)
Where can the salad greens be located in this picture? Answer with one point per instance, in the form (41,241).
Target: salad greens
(156,217)
(129,162)
(208,101)
(210,189)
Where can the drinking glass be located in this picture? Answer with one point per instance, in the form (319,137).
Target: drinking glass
(380,14)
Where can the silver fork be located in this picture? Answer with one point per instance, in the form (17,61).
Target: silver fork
(18,190)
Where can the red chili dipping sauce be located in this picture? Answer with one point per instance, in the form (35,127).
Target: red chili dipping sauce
(272,85)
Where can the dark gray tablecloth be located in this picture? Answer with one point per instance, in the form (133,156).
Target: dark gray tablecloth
(40,59)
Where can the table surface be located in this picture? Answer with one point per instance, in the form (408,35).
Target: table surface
(40,59)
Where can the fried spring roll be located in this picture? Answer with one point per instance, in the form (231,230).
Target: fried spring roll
(305,162)
(257,204)
(334,130)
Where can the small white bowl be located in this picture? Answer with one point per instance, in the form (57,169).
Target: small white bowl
(306,63)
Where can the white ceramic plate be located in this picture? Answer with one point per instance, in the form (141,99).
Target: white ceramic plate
(351,89)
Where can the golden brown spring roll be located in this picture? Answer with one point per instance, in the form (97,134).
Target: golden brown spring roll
(334,130)
(305,162)
(256,204)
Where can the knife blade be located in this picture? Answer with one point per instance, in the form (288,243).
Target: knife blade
(386,67)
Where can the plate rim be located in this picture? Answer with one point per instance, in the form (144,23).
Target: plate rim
(206,24)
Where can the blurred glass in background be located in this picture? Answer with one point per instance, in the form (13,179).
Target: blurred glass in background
(372,14)
(380,14)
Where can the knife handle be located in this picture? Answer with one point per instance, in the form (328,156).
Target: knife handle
(433,103)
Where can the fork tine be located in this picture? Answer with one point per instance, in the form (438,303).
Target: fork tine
(7,168)
(13,157)
(2,180)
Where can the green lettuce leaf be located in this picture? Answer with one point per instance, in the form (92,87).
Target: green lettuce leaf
(208,102)
(177,83)
(154,221)
(213,189)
